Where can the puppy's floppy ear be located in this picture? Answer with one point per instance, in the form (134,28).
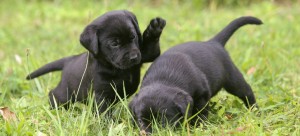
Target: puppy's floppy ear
(136,26)
(89,40)
(185,103)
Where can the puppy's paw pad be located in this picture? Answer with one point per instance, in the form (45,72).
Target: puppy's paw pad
(158,23)
(156,26)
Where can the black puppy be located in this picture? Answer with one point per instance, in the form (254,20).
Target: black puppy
(183,79)
(116,53)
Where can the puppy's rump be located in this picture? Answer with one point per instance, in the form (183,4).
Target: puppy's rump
(50,67)
(223,36)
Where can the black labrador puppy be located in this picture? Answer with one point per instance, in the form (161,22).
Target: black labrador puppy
(116,51)
(183,79)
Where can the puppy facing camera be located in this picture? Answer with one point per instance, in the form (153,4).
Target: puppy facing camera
(116,52)
(182,80)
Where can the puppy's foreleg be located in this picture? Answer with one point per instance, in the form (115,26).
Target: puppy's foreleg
(150,49)
(201,107)
(101,103)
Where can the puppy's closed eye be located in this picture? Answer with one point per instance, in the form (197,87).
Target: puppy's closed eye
(132,36)
(115,43)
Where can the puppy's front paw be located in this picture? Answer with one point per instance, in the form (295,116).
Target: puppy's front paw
(155,28)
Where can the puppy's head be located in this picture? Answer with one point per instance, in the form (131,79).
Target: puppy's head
(115,38)
(166,105)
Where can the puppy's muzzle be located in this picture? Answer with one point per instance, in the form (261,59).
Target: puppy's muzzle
(129,59)
(133,57)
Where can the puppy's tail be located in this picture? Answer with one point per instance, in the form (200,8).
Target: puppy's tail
(50,67)
(223,36)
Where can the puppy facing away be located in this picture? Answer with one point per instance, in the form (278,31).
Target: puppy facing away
(116,51)
(183,79)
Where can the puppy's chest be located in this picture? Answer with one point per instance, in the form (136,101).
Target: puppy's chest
(126,79)
(118,81)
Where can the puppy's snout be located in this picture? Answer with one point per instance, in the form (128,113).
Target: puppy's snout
(133,56)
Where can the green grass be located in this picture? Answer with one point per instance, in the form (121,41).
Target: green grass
(42,31)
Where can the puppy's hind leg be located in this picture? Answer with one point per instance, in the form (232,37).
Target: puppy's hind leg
(237,85)
(59,96)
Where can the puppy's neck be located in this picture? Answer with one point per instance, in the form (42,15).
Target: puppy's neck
(102,65)
(100,60)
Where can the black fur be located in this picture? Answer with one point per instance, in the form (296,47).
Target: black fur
(116,53)
(188,75)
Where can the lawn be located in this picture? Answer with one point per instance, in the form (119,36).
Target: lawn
(35,32)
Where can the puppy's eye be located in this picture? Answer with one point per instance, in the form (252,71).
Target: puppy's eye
(115,43)
(132,36)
